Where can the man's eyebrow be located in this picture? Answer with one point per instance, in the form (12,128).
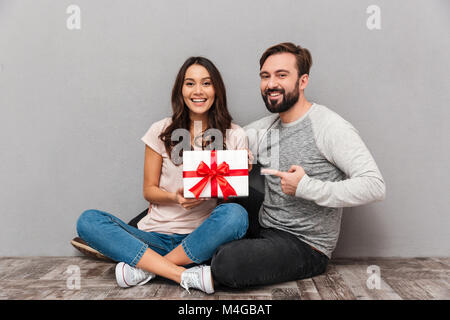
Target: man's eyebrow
(277,71)
(282,70)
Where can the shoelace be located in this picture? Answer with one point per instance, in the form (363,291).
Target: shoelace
(188,278)
(138,276)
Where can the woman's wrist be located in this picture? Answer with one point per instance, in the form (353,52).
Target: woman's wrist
(157,195)
(173,197)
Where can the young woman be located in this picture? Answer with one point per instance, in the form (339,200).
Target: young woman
(176,232)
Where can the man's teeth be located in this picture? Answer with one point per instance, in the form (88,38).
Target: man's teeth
(274,94)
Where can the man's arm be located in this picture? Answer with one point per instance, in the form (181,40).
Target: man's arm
(341,144)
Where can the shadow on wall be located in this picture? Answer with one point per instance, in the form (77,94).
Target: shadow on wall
(361,233)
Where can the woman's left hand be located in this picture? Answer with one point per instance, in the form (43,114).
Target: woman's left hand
(250,160)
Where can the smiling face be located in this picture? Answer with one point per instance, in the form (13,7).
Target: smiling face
(198,90)
(279,84)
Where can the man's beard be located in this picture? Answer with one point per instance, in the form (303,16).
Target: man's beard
(286,103)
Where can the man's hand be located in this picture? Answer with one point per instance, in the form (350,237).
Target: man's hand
(289,180)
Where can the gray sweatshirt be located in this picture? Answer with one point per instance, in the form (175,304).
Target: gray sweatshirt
(340,172)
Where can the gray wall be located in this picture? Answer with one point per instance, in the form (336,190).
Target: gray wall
(75,103)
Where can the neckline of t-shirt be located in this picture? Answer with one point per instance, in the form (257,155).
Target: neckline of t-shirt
(293,123)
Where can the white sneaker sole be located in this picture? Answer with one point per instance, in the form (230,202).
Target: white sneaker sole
(206,279)
(120,275)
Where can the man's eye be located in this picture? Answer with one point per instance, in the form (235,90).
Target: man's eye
(264,76)
(282,76)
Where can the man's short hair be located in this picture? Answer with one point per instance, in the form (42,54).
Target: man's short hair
(302,55)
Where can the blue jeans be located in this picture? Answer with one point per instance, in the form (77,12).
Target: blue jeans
(122,242)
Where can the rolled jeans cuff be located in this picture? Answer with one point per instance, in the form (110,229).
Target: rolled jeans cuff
(188,253)
(139,255)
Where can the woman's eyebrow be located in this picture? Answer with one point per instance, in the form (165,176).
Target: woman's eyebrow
(206,78)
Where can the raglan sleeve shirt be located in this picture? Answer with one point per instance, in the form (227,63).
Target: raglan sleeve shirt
(340,143)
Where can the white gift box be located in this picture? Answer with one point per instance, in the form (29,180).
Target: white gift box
(219,171)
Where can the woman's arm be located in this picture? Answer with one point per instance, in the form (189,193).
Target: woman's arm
(152,173)
(152,192)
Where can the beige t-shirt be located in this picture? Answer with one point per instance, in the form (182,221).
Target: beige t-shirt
(173,218)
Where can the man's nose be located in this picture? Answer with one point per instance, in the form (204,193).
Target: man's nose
(272,83)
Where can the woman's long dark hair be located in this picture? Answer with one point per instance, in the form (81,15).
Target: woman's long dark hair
(218,116)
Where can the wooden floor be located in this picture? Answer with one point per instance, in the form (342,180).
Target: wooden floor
(55,278)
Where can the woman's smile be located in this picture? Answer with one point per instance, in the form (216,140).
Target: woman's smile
(199,102)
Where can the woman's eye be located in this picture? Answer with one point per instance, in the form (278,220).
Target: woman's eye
(189,84)
(207,83)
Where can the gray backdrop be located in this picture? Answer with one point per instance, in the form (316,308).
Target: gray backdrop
(75,103)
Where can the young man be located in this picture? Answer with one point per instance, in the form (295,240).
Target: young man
(321,166)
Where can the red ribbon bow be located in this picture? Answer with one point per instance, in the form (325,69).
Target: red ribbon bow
(215,174)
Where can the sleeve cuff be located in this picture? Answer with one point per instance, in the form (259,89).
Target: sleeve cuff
(152,146)
(301,187)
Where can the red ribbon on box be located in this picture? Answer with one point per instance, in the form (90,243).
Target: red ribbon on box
(215,174)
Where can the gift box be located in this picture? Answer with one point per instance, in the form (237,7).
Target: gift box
(215,174)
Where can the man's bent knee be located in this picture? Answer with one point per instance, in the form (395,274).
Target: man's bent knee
(225,265)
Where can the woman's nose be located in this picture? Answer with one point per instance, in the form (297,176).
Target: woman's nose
(198,89)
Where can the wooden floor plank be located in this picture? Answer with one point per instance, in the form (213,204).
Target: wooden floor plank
(356,276)
(331,286)
(62,269)
(401,278)
(307,289)
(144,292)
(286,294)
(279,289)
(243,297)
(444,260)
(436,289)
(409,289)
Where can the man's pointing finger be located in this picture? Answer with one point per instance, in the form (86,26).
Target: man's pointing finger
(273,172)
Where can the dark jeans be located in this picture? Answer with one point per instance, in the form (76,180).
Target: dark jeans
(266,255)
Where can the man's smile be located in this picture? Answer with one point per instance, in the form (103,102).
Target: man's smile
(274,95)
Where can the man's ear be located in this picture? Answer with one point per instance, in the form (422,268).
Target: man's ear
(303,81)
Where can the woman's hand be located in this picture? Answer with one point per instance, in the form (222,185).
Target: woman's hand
(186,203)
(250,160)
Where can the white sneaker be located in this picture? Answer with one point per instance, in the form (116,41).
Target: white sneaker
(198,277)
(127,276)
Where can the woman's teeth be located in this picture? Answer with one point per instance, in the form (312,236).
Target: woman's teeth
(198,100)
